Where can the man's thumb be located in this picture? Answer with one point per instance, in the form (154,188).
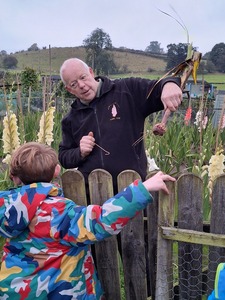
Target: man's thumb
(91,133)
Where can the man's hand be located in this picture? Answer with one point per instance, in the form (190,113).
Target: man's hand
(87,144)
(171,96)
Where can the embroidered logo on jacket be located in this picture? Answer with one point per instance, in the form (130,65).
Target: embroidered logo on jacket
(113,108)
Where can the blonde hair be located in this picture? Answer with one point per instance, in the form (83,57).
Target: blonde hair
(34,162)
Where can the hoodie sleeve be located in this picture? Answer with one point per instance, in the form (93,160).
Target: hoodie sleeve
(140,89)
(155,96)
(94,223)
(69,152)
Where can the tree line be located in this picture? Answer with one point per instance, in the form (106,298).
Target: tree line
(102,62)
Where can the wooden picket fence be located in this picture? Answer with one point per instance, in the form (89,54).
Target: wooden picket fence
(166,253)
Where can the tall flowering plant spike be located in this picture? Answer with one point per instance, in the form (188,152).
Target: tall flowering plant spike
(201,120)
(10,135)
(187,117)
(220,125)
(11,140)
(216,167)
(45,135)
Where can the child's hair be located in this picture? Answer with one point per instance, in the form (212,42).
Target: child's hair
(33,162)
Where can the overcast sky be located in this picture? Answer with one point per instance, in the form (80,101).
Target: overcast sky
(129,23)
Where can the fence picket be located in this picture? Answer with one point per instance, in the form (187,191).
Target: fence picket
(164,280)
(74,186)
(217,225)
(105,252)
(152,234)
(133,248)
(190,216)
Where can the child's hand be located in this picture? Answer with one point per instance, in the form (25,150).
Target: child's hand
(157,182)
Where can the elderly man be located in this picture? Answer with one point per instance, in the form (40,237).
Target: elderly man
(107,119)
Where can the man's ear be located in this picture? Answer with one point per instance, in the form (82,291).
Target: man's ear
(91,72)
(57,170)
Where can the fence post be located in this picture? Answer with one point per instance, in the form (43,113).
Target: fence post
(164,279)
(133,248)
(152,235)
(74,186)
(106,252)
(190,216)
(217,225)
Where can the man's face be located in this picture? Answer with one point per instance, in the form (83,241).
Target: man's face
(80,81)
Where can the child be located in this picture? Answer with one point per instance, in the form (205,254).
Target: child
(47,250)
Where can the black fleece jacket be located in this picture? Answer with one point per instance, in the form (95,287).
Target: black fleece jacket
(117,119)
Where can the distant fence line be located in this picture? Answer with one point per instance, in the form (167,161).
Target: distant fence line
(32,103)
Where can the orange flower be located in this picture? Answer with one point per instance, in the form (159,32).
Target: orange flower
(187,117)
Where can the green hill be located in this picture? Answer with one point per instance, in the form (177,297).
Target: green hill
(50,60)
(135,62)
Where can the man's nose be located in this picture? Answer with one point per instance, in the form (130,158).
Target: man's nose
(80,83)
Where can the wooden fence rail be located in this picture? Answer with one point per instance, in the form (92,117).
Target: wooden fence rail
(151,245)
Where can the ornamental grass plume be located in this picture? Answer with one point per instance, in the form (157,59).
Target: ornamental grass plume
(45,135)
(215,168)
(11,140)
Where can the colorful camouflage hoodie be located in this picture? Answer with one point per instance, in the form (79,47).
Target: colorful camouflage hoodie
(219,287)
(47,250)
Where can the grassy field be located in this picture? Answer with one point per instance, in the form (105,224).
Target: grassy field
(47,61)
(51,59)
(217,80)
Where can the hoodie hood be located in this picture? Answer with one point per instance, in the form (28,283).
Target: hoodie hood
(18,206)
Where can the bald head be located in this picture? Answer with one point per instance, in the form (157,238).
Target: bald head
(71,63)
(79,79)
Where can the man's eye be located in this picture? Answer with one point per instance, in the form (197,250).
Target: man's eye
(73,84)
